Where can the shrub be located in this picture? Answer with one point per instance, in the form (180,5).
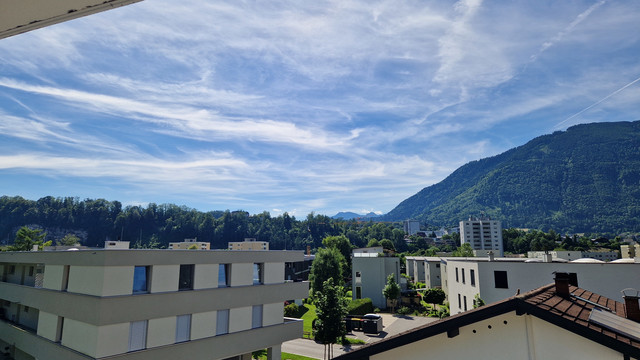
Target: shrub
(404,310)
(291,310)
(360,307)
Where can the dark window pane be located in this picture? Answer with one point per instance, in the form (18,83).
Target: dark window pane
(141,279)
(500,278)
(185,281)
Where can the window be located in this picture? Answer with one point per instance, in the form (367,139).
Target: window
(222,322)
(185,281)
(358,274)
(358,292)
(459,302)
(437,265)
(256,317)
(258,274)
(472,275)
(183,328)
(463,280)
(12,269)
(26,309)
(465,303)
(138,335)
(30,270)
(140,279)
(224,275)
(457,280)
(500,278)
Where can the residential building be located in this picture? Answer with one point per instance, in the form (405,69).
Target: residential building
(249,244)
(556,321)
(116,244)
(369,274)
(574,255)
(190,244)
(630,251)
(483,234)
(495,279)
(411,227)
(146,304)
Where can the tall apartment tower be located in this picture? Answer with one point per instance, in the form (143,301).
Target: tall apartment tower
(483,234)
(411,227)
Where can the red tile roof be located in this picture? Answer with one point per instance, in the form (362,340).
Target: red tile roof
(570,313)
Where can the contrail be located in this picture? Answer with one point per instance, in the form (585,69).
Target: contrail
(597,102)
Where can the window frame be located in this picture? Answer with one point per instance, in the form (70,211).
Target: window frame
(226,268)
(186,277)
(225,328)
(501,279)
(147,279)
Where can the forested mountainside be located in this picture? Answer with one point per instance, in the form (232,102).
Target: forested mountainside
(584,179)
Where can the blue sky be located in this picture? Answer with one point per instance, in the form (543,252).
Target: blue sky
(294,106)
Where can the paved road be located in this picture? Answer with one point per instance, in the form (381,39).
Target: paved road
(392,325)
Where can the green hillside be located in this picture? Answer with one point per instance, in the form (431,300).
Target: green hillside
(585,179)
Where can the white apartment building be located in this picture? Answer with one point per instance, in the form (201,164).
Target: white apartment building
(411,227)
(575,255)
(190,244)
(248,244)
(146,304)
(369,274)
(483,234)
(464,278)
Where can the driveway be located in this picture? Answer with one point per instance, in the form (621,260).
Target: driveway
(393,324)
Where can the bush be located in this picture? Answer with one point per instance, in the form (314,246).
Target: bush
(360,307)
(291,310)
(404,310)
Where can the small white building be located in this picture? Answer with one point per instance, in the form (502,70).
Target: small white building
(249,244)
(369,274)
(503,277)
(190,244)
(575,255)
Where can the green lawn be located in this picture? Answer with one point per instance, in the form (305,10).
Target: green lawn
(307,314)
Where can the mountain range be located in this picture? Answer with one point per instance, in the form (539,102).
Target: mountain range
(584,179)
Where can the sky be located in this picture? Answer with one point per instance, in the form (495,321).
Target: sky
(301,106)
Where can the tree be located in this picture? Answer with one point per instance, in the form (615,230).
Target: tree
(331,308)
(391,291)
(464,250)
(373,243)
(342,244)
(387,245)
(26,238)
(327,264)
(69,240)
(433,296)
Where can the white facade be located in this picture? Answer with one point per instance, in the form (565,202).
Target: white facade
(145,304)
(497,280)
(369,274)
(574,255)
(411,227)
(482,234)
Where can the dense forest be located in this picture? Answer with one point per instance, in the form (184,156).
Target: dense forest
(95,221)
(585,179)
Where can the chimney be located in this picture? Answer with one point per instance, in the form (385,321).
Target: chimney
(631,307)
(492,257)
(562,284)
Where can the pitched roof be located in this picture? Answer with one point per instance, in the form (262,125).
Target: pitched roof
(570,313)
